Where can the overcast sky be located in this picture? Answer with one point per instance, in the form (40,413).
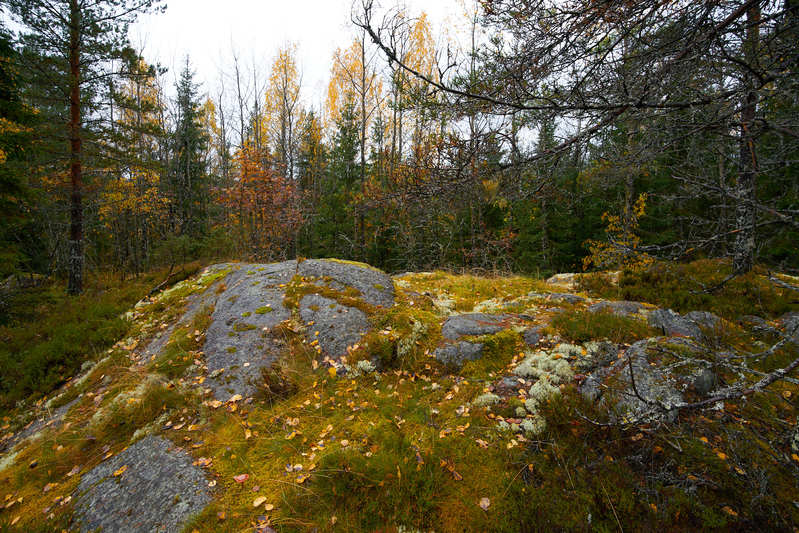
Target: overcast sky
(207,30)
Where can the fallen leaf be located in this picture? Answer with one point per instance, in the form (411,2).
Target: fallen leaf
(485,503)
(235,398)
(727,509)
(247,434)
(241,478)
(269,507)
(302,478)
(221,515)
(15,520)
(260,500)
(120,471)
(332,372)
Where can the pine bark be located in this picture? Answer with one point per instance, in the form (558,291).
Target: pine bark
(76,257)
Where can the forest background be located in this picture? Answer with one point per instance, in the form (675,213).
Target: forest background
(564,136)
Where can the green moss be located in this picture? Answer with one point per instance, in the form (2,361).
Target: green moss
(498,352)
(243,326)
(263,310)
(300,287)
(415,460)
(180,352)
(466,290)
(246,314)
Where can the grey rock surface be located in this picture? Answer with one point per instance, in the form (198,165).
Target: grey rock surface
(458,354)
(532,335)
(598,354)
(158,491)
(237,343)
(557,297)
(790,325)
(623,308)
(339,326)
(703,319)
(458,326)
(673,324)
(703,381)
(567,279)
(652,396)
(195,302)
(754,323)
(45,419)
(376,287)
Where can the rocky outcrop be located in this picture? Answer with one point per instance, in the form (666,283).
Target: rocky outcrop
(151,486)
(237,345)
(250,301)
(790,326)
(532,335)
(650,378)
(335,327)
(633,388)
(689,325)
(622,308)
(375,287)
(458,354)
(472,324)
(559,297)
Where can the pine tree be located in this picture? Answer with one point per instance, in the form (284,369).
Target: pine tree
(81,37)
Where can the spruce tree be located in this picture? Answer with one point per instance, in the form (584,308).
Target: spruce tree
(15,139)
(190,181)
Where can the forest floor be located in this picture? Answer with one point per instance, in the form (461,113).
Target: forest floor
(326,395)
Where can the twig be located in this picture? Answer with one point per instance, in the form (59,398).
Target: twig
(612,508)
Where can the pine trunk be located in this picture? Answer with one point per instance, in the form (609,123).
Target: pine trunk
(76,258)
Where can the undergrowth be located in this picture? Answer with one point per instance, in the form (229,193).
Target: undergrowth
(48,335)
(583,325)
(697,286)
(408,448)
